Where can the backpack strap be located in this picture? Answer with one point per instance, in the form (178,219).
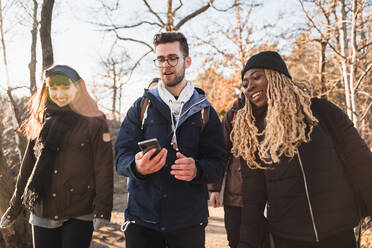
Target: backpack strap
(233,119)
(204,117)
(145,101)
(144,104)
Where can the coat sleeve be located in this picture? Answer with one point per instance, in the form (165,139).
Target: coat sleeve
(226,125)
(253,226)
(354,152)
(103,168)
(211,161)
(126,145)
(27,165)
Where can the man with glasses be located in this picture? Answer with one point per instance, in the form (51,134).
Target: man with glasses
(167,204)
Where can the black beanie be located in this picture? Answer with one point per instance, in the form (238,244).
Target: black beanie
(267,60)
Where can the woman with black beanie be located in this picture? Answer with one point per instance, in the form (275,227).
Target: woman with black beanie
(304,157)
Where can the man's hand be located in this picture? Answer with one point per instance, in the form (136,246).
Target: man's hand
(215,199)
(145,165)
(184,168)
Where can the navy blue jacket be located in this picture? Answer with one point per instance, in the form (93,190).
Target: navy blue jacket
(159,201)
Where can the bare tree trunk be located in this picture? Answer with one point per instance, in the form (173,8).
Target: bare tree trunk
(169,26)
(364,122)
(45,33)
(114,92)
(32,64)
(363,38)
(19,234)
(21,141)
(240,42)
(344,48)
(354,51)
(16,119)
(323,90)
(119,99)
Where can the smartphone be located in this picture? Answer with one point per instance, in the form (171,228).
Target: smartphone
(149,144)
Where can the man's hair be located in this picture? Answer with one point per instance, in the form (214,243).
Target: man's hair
(168,37)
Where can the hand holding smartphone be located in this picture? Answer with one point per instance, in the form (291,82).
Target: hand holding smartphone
(149,144)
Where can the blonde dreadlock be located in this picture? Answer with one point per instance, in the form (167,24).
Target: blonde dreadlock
(288,116)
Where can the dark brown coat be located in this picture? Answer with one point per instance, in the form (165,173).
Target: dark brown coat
(82,179)
(232,195)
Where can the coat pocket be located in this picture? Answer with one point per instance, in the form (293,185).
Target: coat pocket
(79,196)
(144,203)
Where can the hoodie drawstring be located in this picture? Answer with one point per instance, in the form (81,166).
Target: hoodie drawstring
(175,126)
(124,227)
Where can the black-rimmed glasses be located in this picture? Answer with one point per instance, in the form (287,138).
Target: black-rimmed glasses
(172,61)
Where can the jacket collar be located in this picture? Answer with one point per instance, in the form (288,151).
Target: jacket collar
(196,103)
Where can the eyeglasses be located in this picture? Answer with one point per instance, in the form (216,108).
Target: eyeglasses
(172,61)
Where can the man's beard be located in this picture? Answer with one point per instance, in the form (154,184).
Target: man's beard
(176,81)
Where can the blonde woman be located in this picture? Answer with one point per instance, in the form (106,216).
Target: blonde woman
(292,145)
(66,176)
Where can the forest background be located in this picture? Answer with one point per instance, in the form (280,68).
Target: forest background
(326,44)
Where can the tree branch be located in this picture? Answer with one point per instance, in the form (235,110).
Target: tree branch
(364,46)
(153,12)
(193,14)
(105,6)
(366,112)
(134,40)
(25,9)
(176,9)
(236,3)
(213,46)
(17,88)
(363,76)
(319,31)
(115,27)
(320,6)
(136,64)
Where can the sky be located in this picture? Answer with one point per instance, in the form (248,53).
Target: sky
(80,44)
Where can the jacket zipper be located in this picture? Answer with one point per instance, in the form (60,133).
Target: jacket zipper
(308,197)
(192,107)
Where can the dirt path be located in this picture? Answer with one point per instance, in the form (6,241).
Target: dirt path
(111,236)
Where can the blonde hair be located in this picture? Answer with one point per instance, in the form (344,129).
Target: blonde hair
(289,122)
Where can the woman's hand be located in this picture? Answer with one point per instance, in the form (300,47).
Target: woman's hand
(5,222)
(99,222)
(215,199)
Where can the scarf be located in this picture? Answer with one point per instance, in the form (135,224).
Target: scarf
(57,121)
(175,105)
